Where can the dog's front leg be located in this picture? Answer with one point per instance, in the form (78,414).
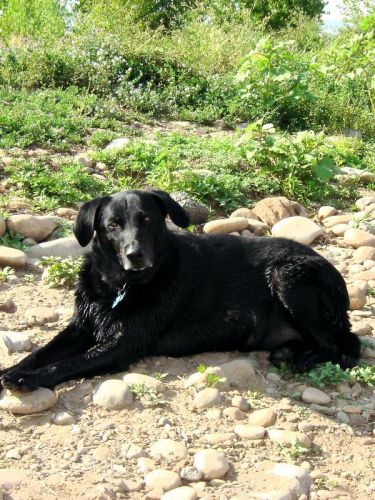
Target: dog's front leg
(106,357)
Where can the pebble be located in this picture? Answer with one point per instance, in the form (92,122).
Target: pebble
(313,395)
(325,410)
(358,238)
(132,451)
(234,413)
(305,427)
(207,397)
(141,379)
(25,403)
(63,418)
(162,479)
(191,474)
(339,229)
(169,449)
(219,437)
(113,395)
(241,403)
(326,211)
(363,253)
(8,307)
(103,454)
(40,315)
(12,257)
(11,342)
(357,296)
(343,417)
(211,463)
(288,437)
(226,225)
(250,431)
(263,418)
(182,493)
(299,229)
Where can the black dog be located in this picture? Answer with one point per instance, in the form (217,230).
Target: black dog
(146,291)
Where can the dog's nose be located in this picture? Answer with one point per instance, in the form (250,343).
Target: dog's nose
(134,254)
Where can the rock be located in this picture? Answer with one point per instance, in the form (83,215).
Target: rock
(337,219)
(247,234)
(219,437)
(119,143)
(238,372)
(272,210)
(234,413)
(162,479)
(226,225)
(343,417)
(146,380)
(8,307)
(250,431)
(167,448)
(279,481)
(357,296)
(12,257)
(66,212)
(366,275)
(369,264)
(326,211)
(288,437)
(363,176)
(84,160)
(103,454)
(182,493)
(29,242)
(241,403)
(358,238)
(190,474)
(62,247)
(207,397)
(356,268)
(11,342)
(40,316)
(365,201)
(305,427)
(313,395)
(113,395)
(63,418)
(325,410)
(25,403)
(198,213)
(11,478)
(211,463)
(37,227)
(244,212)
(298,229)
(145,464)
(132,451)
(264,417)
(363,253)
(3,226)
(257,226)
(339,229)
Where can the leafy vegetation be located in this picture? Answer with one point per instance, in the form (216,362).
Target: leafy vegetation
(13,240)
(211,379)
(61,272)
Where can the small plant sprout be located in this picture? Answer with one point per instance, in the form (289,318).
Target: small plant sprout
(255,400)
(160,376)
(294,451)
(147,393)
(211,379)
(61,273)
(5,273)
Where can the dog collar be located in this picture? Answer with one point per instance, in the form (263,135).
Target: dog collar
(120,296)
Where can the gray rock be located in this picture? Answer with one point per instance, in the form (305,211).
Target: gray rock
(313,395)
(190,474)
(62,247)
(63,418)
(119,143)
(198,212)
(11,342)
(40,316)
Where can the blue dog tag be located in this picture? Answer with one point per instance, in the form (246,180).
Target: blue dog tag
(121,294)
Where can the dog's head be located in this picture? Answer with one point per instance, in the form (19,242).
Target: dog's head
(130,225)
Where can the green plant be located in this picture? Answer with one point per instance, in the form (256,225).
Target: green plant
(148,393)
(29,278)
(211,379)
(61,273)
(160,376)
(13,240)
(327,374)
(293,451)
(255,400)
(364,374)
(5,273)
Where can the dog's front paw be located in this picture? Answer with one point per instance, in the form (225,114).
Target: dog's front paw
(20,380)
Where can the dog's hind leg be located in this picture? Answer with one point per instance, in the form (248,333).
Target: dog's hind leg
(315,300)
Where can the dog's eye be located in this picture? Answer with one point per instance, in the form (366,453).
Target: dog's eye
(113,225)
(146,220)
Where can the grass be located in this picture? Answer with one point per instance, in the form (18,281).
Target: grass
(293,451)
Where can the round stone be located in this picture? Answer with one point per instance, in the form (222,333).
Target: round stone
(191,474)
(162,479)
(289,437)
(250,431)
(263,418)
(211,463)
(113,395)
(167,448)
(313,395)
(25,403)
(182,493)
(207,398)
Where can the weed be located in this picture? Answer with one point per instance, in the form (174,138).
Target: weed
(371,292)
(62,273)
(255,400)
(364,374)
(148,393)
(13,240)
(293,451)
(160,376)
(211,379)
(29,278)
(5,273)
(327,374)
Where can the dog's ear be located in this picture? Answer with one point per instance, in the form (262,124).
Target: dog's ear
(172,208)
(85,222)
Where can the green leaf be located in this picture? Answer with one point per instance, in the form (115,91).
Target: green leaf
(325,168)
